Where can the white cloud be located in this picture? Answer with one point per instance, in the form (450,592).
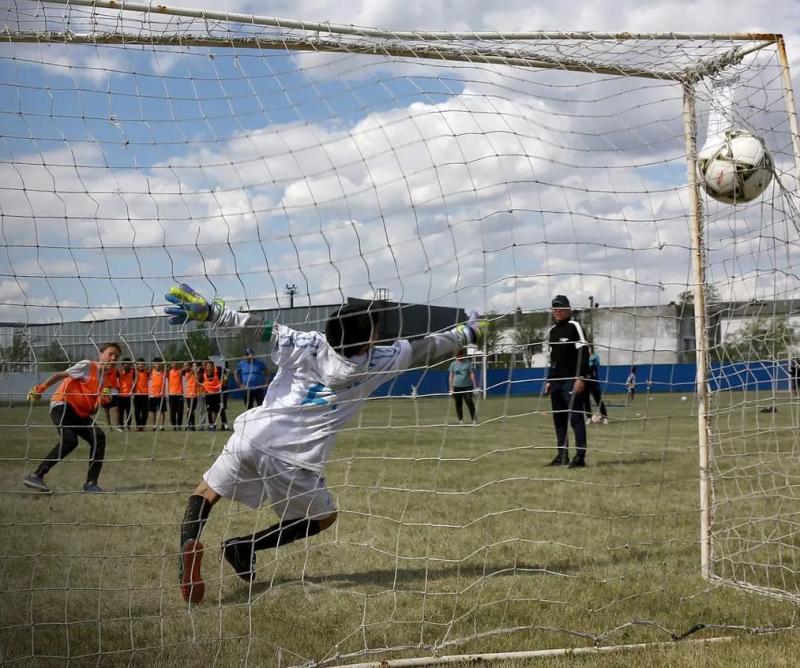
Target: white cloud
(492,189)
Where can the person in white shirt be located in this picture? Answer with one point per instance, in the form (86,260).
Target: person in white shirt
(278,450)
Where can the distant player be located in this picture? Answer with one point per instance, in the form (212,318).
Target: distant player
(81,391)
(794,373)
(592,391)
(630,385)
(278,451)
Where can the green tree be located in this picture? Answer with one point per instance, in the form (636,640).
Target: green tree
(760,339)
(492,330)
(686,298)
(249,338)
(17,355)
(529,334)
(195,345)
(53,358)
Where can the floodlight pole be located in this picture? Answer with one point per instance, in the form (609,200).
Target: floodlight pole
(701,338)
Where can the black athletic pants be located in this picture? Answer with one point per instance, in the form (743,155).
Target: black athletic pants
(464,394)
(568,410)
(592,391)
(70,428)
(141,407)
(176,410)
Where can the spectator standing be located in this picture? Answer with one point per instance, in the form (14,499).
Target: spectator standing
(251,375)
(191,371)
(462,383)
(212,390)
(141,394)
(175,399)
(110,404)
(157,389)
(125,378)
(569,366)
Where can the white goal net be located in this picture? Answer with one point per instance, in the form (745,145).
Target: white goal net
(289,168)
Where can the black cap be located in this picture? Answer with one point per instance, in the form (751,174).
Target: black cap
(560,301)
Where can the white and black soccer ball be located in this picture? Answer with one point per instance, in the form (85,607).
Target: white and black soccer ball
(735,168)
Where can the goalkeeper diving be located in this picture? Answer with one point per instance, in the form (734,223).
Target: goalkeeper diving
(278,450)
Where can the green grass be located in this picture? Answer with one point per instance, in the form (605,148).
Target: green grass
(454,538)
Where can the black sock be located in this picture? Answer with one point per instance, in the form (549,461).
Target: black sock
(194,519)
(281,534)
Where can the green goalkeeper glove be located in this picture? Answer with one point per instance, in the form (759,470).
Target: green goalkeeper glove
(474,330)
(36,393)
(189,305)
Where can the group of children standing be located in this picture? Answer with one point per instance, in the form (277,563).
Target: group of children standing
(143,394)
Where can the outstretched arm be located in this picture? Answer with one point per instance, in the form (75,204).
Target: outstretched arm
(434,348)
(38,390)
(189,305)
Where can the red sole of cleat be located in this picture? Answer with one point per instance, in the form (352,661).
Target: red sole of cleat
(192,586)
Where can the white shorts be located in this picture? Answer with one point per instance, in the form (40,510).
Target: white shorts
(250,476)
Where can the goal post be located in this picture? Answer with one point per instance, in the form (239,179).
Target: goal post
(288,167)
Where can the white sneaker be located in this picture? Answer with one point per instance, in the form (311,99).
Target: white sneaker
(474,423)
(605,420)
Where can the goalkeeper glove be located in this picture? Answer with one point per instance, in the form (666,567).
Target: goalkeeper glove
(473,331)
(36,393)
(189,305)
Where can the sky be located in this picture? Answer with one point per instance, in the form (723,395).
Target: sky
(123,171)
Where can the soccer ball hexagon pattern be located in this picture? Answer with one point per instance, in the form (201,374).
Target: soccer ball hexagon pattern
(735,169)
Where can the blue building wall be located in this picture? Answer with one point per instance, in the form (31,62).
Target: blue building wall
(751,376)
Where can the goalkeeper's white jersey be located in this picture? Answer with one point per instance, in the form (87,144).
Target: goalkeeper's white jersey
(314,393)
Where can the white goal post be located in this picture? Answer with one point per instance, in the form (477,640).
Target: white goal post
(430,173)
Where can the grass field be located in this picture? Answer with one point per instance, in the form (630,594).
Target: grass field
(450,539)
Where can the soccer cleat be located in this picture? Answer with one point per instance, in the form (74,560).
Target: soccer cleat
(35,482)
(577,463)
(559,460)
(236,554)
(604,420)
(92,488)
(192,586)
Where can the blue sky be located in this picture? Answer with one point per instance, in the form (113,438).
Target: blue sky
(488,188)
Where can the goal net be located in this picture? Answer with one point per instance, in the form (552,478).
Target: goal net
(288,168)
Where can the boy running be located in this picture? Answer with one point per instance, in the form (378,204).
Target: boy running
(278,450)
(82,389)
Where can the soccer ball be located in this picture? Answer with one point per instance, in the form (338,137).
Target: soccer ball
(736,168)
(596,419)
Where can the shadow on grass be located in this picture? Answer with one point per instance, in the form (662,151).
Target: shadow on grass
(631,461)
(388,579)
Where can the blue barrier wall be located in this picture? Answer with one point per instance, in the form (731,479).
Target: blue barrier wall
(751,376)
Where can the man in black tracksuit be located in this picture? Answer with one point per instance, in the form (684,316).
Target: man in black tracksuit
(569,366)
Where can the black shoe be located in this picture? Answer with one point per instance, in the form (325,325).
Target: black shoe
(559,460)
(242,558)
(577,463)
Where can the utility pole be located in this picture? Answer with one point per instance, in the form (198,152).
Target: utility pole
(291,290)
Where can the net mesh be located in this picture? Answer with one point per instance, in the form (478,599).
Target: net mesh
(283,169)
